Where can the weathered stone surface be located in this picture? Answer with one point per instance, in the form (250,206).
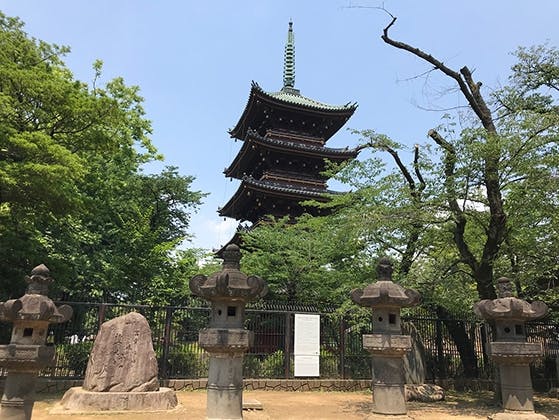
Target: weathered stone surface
(387,344)
(515,352)
(28,357)
(27,352)
(226,340)
(79,400)
(510,350)
(375,416)
(384,292)
(122,358)
(414,360)
(517,416)
(252,404)
(424,392)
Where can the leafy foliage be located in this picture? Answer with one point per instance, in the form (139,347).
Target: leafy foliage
(72,193)
(476,202)
(303,261)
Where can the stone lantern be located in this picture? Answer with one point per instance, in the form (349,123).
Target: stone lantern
(510,350)
(226,339)
(27,352)
(387,345)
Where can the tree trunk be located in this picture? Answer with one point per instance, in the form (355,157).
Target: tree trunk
(484,281)
(464,344)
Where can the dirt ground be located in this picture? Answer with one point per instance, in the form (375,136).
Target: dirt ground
(310,405)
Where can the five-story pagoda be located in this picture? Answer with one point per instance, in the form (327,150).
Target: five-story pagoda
(283,155)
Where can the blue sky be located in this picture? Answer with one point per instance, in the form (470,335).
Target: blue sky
(194,62)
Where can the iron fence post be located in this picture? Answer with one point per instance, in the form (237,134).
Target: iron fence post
(342,347)
(287,352)
(440,371)
(164,369)
(101,315)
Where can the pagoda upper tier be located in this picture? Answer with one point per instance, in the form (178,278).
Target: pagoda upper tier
(290,111)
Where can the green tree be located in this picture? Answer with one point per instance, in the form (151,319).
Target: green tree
(303,261)
(529,118)
(484,202)
(497,164)
(133,229)
(72,193)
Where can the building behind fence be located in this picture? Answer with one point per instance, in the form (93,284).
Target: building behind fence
(175,340)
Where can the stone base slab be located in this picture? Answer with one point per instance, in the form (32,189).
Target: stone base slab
(78,400)
(375,416)
(252,404)
(515,415)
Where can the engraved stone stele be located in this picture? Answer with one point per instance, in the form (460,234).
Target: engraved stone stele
(387,344)
(122,371)
(510,351)
(226,339)
(122,358)
(27,352)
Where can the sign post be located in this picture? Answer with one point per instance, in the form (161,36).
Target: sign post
(307,345)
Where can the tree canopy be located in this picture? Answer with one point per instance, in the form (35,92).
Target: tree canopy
(477,201)
(72,191)
(495,174)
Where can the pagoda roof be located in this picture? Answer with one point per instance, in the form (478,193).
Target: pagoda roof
(284,146)
(289,99)
(293,96)
(241,202)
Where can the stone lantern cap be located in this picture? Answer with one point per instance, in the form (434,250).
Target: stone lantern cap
(385,293)
(35,305)
(508,307)
(229,284)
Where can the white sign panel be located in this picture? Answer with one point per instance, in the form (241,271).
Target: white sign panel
(307,345)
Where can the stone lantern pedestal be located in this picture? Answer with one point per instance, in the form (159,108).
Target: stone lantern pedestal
(226,339)
(387,345)
(27,352)
(510,350)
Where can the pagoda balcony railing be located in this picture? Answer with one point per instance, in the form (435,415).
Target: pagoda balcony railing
(293,181)
(294,136)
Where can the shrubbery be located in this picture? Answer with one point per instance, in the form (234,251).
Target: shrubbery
(187,361)
(75,357)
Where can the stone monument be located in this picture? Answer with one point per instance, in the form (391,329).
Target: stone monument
(510,350)
(27,352)
(387,345)
(121,373)
(226,339)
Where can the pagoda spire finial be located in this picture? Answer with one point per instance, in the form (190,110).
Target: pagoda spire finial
(289,60)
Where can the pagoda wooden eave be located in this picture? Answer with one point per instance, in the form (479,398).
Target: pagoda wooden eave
(255,143)
(242,204)
(332,117)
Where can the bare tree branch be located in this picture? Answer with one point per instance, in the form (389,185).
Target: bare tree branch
(417,169)
(464,78)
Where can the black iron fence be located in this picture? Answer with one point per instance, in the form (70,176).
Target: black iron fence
(451,347)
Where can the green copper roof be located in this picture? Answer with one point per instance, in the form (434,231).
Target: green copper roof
(255,114)
(289,96)
(289,59)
